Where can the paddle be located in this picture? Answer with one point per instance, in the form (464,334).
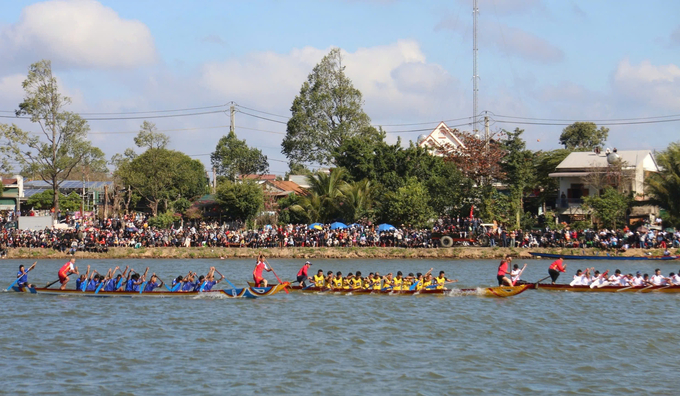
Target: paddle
(661,288)
(520,274)
(223,277)
(166,286)
(645,288)
(19,277)
(142,286)
(99,287)
(277,277)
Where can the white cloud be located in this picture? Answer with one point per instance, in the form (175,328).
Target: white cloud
(396,80)
(78,33)
(649,85)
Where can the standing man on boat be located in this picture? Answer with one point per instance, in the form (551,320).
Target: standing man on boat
(66,270)
(302,275)
(503,270)
(555,268)
(257,272)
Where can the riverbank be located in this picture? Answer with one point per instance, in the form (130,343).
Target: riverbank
(309,253)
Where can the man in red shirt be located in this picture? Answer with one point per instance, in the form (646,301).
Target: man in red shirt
(503,270)
(302,274)
(66,270)
(555,268)
(257,272)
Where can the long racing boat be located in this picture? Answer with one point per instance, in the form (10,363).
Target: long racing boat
(606,289)
(605,257)
(499,291)
(246,292)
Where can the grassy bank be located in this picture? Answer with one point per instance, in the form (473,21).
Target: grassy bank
(306,253)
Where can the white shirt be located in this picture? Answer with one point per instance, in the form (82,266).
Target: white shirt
(638,281)
(658,280)
(578,280)
(675,279)
(514,274)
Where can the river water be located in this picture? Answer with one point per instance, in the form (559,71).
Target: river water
(537,342)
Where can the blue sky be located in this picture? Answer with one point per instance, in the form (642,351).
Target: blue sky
(568,60)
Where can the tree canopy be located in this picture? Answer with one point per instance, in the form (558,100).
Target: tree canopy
(61,144)
(583,136)
(232,158)
(44,200)
(517,164)
(664,187)
(327,111)
(242,200)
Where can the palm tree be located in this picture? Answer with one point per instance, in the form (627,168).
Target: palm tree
(358,199)
(665,185)
(328,189)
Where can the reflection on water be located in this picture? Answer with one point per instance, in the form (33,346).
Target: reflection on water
(333,344)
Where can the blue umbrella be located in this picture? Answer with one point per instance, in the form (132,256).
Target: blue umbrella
(337,224)
(386,227)
(315,226)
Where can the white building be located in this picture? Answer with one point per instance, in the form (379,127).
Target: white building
(578,171)
(441,140)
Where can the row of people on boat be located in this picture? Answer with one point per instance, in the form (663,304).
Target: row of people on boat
(374,281)
(131,281)
(590,277)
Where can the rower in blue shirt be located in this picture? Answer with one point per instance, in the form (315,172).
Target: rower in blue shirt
(152,284)
(93,283)
(22,276)
(210,280)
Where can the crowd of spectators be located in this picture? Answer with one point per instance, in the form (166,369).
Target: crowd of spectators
(134,231)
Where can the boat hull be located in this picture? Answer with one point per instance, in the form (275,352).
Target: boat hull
(615,258)
(607,289)
(246,292)
(482,291)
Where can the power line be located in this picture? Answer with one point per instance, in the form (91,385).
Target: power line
(263,112)
(587,120)
(132,118)
(263,118)
(602,123)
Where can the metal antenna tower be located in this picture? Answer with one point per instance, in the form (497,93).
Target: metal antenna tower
(475,77)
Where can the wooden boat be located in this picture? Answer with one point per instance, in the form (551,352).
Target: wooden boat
(504,291)
(605,257)
(246,292)
(607,289)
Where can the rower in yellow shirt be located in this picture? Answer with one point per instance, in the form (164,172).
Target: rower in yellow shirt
(398,282)
(319,279)
(337,281)
(356,282)
(376,282)
(388,282)
(346,281)
(441,280)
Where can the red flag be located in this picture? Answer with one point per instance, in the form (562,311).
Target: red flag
(472,208)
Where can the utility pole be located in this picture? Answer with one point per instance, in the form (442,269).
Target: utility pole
(486,132)
(475,77)
(232,118)
(214,181)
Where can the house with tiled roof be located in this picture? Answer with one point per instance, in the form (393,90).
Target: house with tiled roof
(578,171)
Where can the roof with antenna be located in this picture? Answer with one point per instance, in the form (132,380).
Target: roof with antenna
(580,161)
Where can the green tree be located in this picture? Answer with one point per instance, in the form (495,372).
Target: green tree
(664,187)
(242,201)
(328,189)
(583,136)
(449,191)
(327,111)
(232,157)
(609,207)
(62,145)
(298,215)
(163,220)
(409,205)
(518,168)
(44,200)
(357,201)
(149,137)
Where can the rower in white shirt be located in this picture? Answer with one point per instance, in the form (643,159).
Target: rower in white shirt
(579,279)
(615,280)
(638,281)
(674,278)
(599,280)
(657,279)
